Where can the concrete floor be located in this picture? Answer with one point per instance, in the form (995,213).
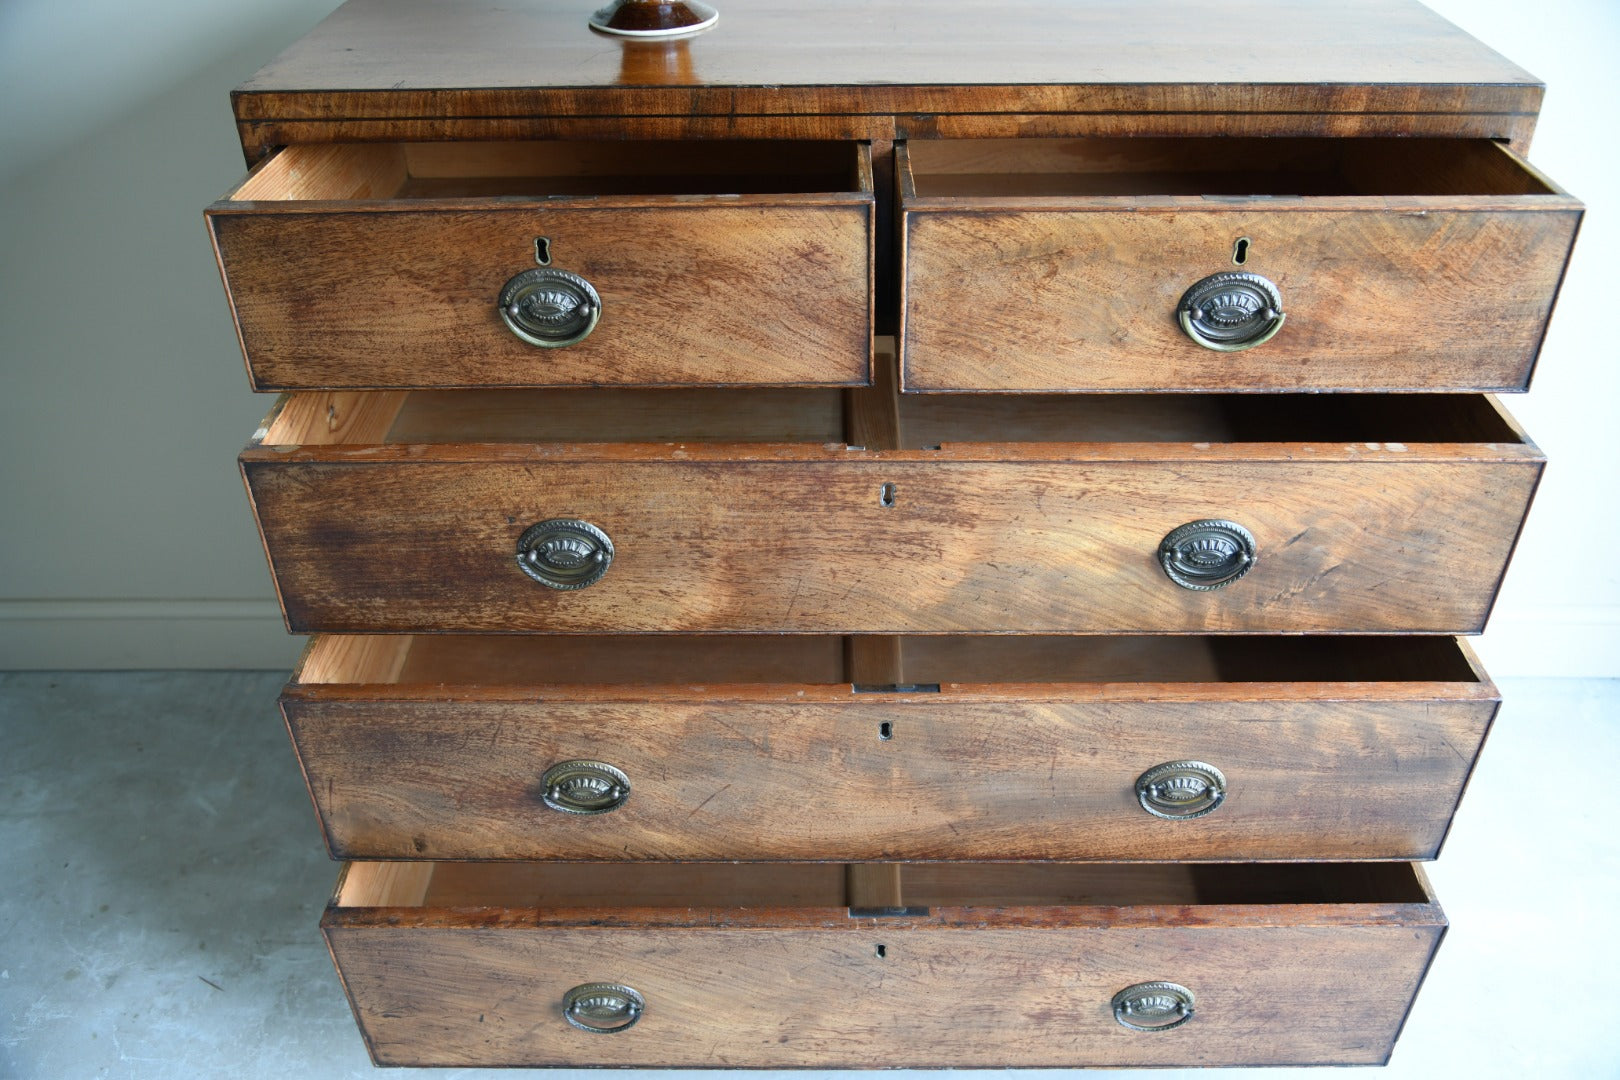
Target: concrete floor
(163,878)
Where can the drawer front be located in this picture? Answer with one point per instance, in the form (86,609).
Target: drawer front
(881,776)
(705,294)
(1420,292)
(1390,540)
(968,986)
(937,999)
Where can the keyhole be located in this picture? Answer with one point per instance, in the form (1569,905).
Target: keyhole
(885,731)
(542,250)
(886,496)
(882,951)
(1240,251)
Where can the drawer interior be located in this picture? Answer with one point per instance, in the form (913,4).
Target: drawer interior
(515,662)
(829,885)
(403,171)
(911,422)
(958,168)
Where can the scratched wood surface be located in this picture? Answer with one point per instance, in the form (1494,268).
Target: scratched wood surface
(964,986)
(381,69)
(1060,266)
(711,287)
(880,776)
(1349,539)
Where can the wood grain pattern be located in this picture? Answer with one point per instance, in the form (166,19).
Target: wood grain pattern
(957,777)
(696,289)
(1025,272)
(460,661)
(963,986)
(374,70)
(630,667)
(873,885)
(330,419)
(553,886)
(355,658)
(261,137)
(813,895)
(1351,538)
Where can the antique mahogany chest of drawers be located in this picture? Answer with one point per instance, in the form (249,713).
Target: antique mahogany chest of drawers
(888,534)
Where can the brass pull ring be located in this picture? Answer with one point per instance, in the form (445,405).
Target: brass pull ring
(1230,312)
(1153,1006)
(603,1008)
(1181,790)
(1208,554)
(549,308)
(564,553)
(584,787)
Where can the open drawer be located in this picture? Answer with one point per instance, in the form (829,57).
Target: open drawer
(765,966)
(1226,264)
(552,264)
(993,748)
(774,511)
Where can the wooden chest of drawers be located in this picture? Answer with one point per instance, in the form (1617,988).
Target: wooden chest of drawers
(827,540)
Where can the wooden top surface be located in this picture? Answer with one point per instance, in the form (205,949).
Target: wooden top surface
(375,59)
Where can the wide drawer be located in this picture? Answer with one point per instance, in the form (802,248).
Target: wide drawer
(704,966)
(406,512)
(1067,265)
(415,265)
(768,747)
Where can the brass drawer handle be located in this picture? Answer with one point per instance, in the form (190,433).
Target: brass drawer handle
(1208,554)
(1181,790)
(584,787)
(1153,1006)
(550,308)
(1231,312)
(603,1008)
(564,553)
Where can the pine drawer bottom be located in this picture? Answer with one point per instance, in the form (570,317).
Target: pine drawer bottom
(766,965)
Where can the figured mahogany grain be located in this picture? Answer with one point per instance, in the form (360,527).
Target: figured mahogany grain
(1027,984)
(1374,537)
(878,776)
(736,283)
(1059,266)
(1352,748)
(858,69)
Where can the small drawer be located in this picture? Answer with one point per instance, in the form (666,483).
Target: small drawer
(552,264)
(1226,264)
(655,748)
(768,966)
(771,511)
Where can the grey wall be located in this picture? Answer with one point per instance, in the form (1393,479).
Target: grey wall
(125,539)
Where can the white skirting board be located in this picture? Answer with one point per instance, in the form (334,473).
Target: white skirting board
(88,635)
(50,635)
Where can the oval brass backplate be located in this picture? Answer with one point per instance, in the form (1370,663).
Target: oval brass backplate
(1153,1006)
(564,553)
(548,307)
(1181,790)
(603,1008)
(1231,311)
(1208,554)
(584,787)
